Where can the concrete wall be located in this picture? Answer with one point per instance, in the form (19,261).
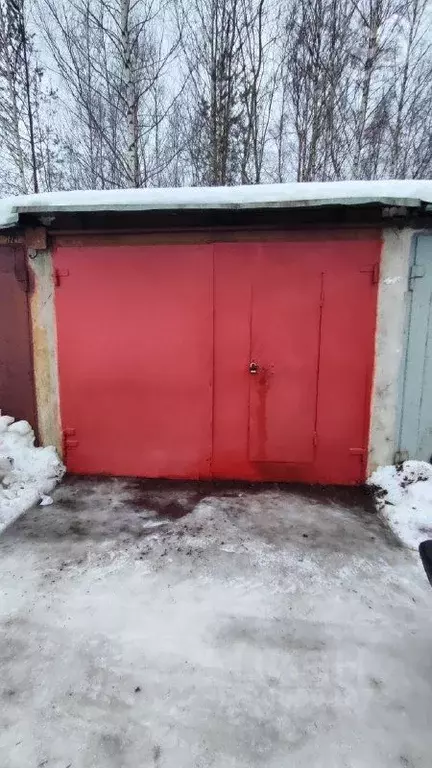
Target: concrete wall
(389,345)
(44,335)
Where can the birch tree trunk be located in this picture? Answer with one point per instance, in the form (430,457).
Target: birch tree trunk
(27,85)
(11,128)
(132,157)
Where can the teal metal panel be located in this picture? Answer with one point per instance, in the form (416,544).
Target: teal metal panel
(416,411)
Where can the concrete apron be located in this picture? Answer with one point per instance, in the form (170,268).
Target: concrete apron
(181,625)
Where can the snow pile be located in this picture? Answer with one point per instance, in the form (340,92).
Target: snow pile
(403,495)
(27,474)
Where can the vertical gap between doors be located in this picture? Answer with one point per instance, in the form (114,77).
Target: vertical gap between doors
(256,256)
(315,435)
(213,371)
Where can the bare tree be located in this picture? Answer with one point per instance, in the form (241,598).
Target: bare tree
(410,82)
(10,115)
(256,41)
(111,59)
(315,74)
(20,86)
(172,92)
(212,52)
(377,20)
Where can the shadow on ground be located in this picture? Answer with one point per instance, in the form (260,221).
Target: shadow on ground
(98,508)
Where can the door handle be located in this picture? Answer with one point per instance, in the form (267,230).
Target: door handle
(253,368)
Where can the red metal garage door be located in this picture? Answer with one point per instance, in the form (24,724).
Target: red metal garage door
(233,360)
(304,312)
(134,330)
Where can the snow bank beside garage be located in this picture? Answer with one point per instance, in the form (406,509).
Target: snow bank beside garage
(27,473)
(403,496)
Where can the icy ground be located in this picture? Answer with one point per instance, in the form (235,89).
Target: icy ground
(404,499)
(266,628)
(27,473)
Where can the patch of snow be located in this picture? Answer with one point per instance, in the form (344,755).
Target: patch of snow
(410,193)
(5,421)
(46,501)
(20,427)
(27,473)
(403,496)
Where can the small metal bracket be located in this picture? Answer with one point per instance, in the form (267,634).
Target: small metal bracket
(71,443)
(373,271)
(22,274)
(400,457)
(69,440)
(58,275)
(416,272)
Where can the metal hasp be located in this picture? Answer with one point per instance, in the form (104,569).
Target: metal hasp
(236,359)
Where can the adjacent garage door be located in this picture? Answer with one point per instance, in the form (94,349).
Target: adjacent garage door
(415,441)
(248,360)
(16,367)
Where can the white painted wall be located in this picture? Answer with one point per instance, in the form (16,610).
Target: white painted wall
(389,345)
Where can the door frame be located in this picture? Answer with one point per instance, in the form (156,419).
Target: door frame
(42,306)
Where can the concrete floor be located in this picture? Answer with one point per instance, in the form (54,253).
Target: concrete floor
(266,627)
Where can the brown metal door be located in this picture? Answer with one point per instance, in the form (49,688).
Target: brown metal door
(16,376)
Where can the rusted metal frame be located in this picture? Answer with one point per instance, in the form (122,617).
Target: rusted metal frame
(96,238)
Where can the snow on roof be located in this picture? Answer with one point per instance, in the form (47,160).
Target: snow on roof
(306,194)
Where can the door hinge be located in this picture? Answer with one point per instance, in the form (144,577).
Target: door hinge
(400,456)
(373,271)
(416,272)
(358,452)
(58,275)
(69,440)
(22,274)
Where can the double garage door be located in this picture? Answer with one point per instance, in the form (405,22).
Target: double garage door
(247,360)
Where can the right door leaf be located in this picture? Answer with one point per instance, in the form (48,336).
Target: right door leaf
(285,339)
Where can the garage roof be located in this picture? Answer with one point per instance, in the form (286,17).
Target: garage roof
(410,193)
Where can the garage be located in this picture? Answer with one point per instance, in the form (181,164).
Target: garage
(273,332)
(243,356)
